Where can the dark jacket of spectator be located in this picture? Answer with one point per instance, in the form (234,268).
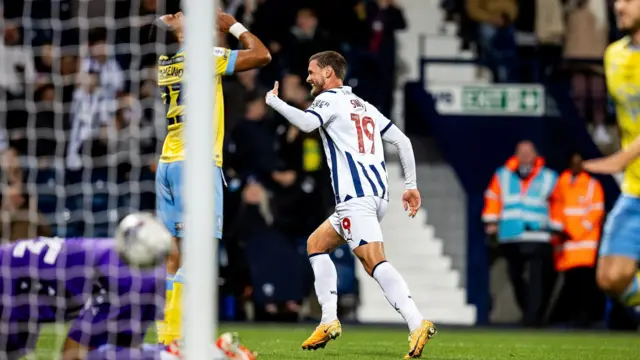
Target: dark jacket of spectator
(305,39)
(251,145)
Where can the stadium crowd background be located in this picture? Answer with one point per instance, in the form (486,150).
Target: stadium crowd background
(83,122)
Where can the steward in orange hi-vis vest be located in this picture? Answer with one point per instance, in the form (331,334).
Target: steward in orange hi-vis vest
(583,208)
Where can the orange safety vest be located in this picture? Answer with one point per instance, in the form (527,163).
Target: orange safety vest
(583,208)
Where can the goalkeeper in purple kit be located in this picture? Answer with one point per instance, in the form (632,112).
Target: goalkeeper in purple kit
(110,301)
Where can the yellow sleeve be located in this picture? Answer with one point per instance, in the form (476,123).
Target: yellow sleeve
(607,73)
(607,55)
(612,51)
(224,60)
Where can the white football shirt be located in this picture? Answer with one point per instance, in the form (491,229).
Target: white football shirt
(351,131)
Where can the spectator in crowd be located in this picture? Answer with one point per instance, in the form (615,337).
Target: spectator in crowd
(576,249)
(16,62)
(522,209)
(496,35)
(549,29)
(102,61)
(587,35)
(304,39)
(384,18)
(118,143)
(65,76)
(19,216)
(89,111)
(246,86)
(44,63)
(48,141)
(252,144)
(277,293)
(11,170)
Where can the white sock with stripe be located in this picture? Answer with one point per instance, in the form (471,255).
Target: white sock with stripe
(397,293)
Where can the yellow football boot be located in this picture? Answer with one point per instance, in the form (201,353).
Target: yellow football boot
(419,338)
(322,334)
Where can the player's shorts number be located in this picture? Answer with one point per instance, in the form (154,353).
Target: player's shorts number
(52,245)
(364,126)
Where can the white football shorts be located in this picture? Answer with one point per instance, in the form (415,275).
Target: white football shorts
(358,220)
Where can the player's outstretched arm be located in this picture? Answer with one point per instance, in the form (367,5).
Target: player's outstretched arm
(616,162)
(306,121)
(411,197)
(254,55)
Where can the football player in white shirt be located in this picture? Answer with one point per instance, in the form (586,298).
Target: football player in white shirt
(352,132)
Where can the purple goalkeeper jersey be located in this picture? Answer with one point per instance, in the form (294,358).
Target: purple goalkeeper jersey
(50,280)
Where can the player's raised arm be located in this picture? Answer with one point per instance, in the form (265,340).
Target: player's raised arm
(306,121)
(254,54)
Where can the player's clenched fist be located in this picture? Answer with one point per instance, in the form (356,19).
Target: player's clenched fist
(225,21)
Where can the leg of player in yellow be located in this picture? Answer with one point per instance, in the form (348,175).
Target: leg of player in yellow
(619,277)
(173,312)
(173,269)
(161,325)
(631,296)
(617,272)
(169,208)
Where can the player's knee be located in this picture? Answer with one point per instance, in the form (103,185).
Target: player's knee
(314,244)
(323,240)
(370,255)
(612,279)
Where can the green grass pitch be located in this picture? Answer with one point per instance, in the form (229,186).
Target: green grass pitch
(274,342)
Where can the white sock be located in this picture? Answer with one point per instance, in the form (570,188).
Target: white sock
(397,293)
(326,285)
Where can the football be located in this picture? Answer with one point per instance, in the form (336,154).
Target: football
(142,240)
